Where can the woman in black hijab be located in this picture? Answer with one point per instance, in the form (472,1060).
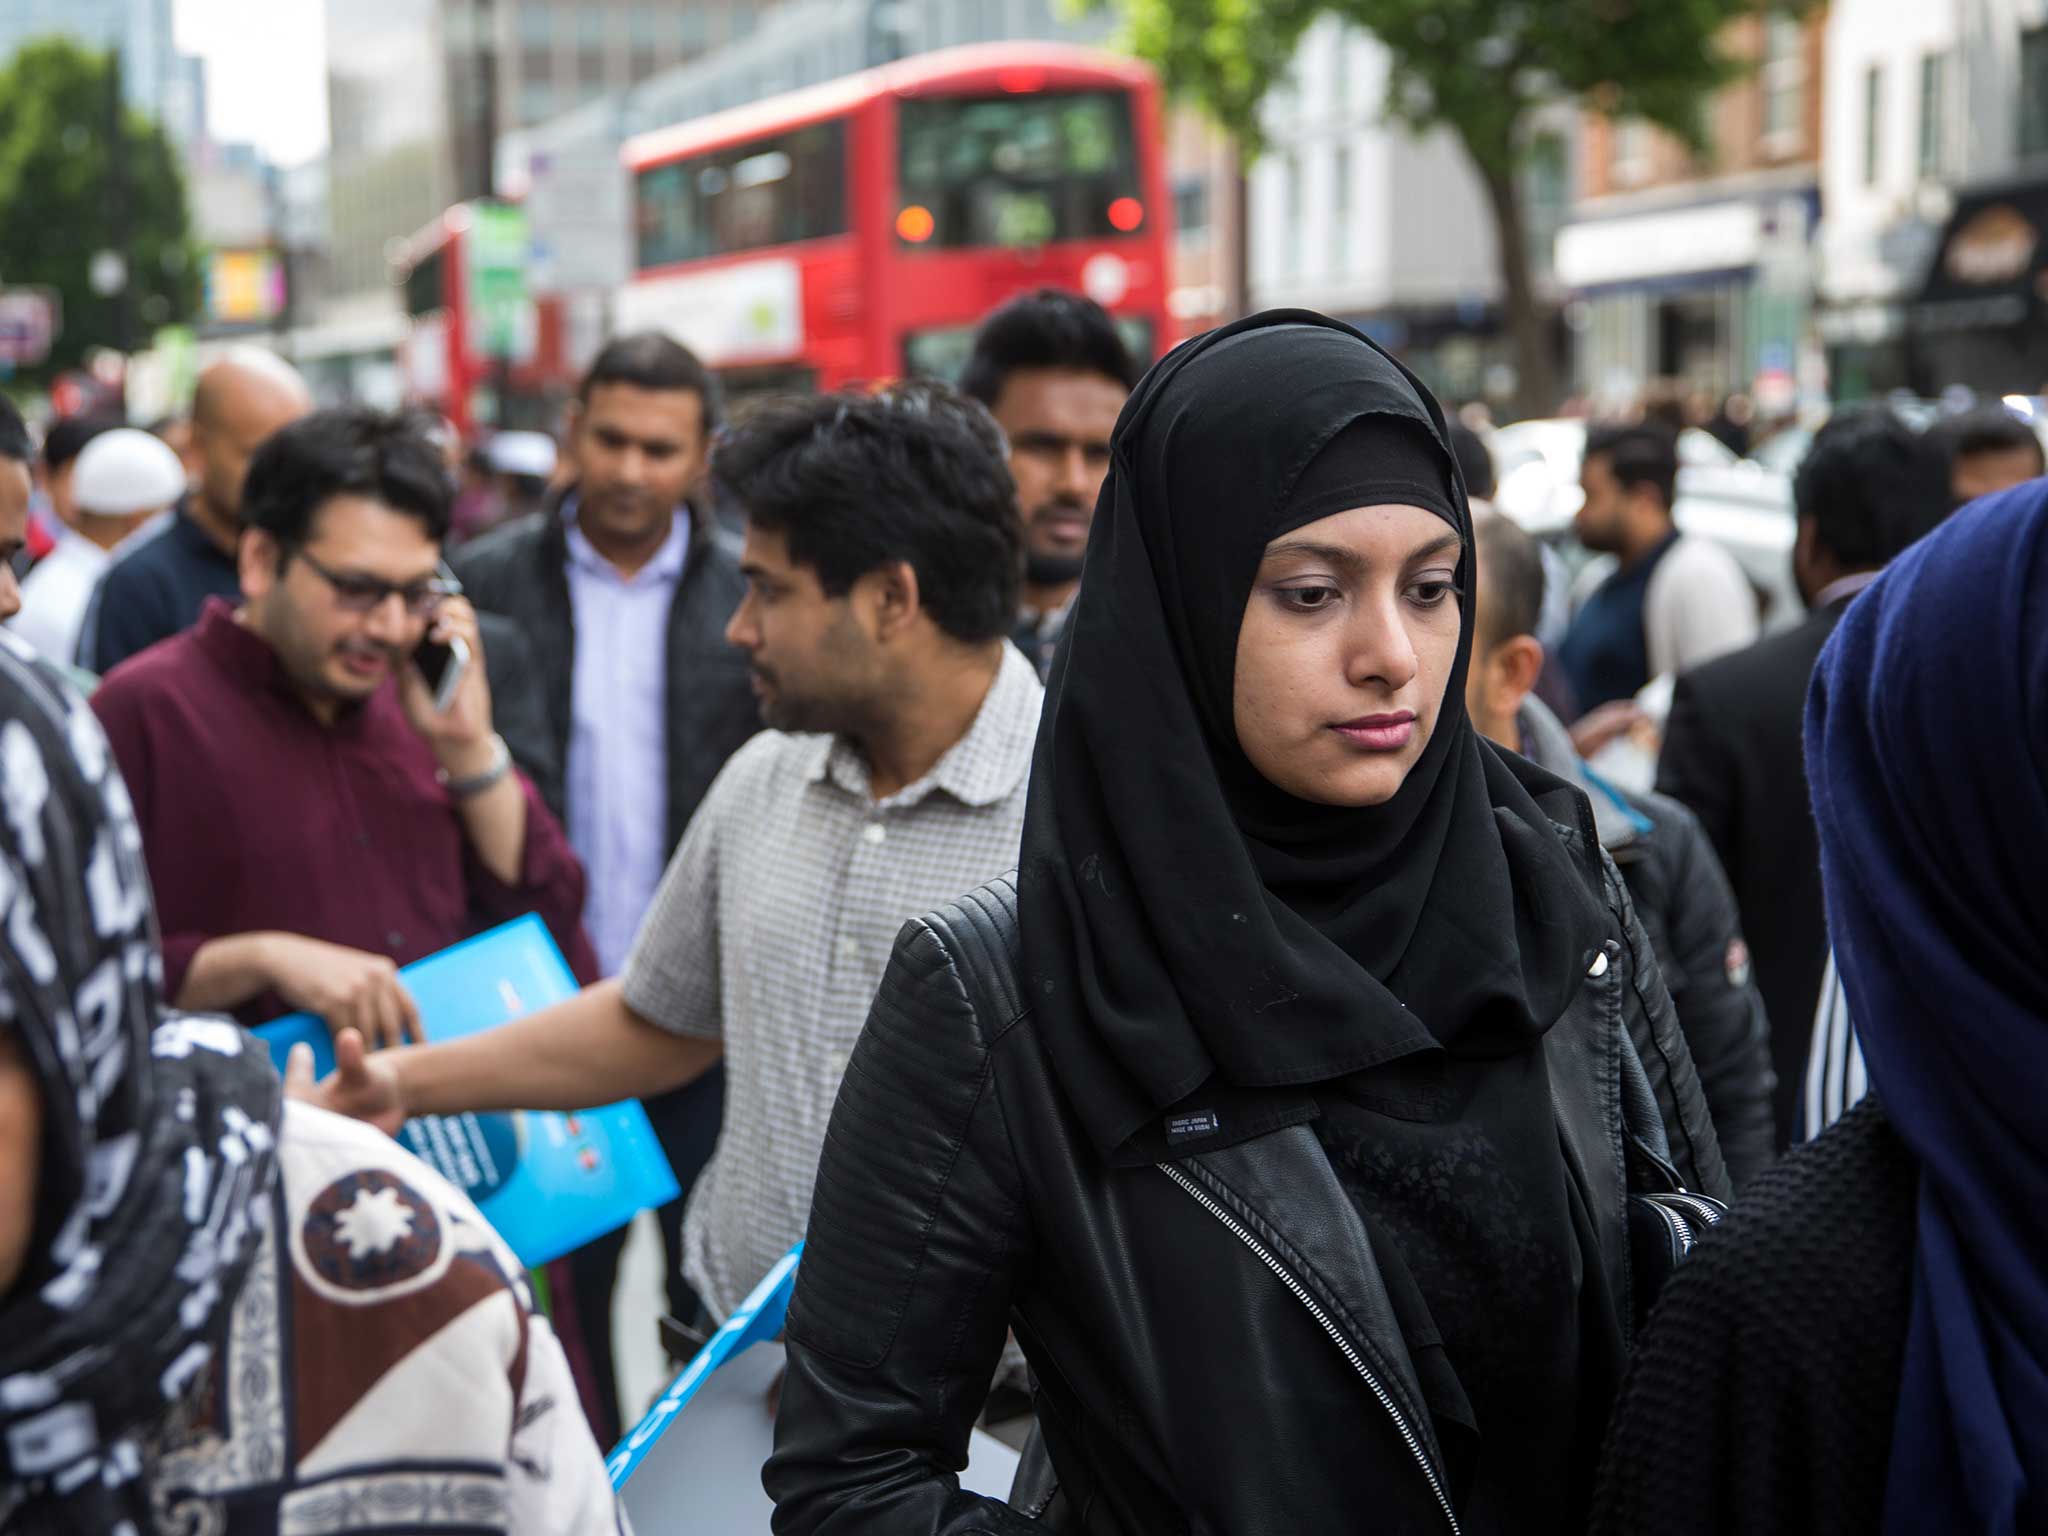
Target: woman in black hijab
(1278,1106)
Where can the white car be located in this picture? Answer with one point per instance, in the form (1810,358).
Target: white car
(1739,504)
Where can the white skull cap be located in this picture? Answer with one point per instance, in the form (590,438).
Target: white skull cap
(125,471)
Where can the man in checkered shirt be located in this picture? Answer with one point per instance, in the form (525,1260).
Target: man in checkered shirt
(883,557)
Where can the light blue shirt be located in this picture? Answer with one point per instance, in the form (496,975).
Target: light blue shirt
(618,733)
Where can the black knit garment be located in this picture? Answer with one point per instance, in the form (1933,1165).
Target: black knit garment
(1761,1394)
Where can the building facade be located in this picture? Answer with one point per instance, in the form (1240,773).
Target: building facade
(1935,180)
(1696,271)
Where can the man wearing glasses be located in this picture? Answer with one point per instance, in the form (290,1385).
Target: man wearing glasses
(315,811)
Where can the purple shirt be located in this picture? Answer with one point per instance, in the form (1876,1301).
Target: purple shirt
(617,773)
(255,816)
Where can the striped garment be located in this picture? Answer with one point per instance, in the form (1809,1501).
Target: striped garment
(1835,1078)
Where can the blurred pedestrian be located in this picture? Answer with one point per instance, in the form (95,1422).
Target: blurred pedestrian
(1276,1099)
(111,490)
(1989,449)
(1868,487)
(1054,373)
(1860,1347)
(1730,424)
(62,444)
(16,486)
(215,1315)
(882,560)
(158,586)
(174,431)
(1673,602)
(620,590)
(523,467)
(312,815)
(1679,890)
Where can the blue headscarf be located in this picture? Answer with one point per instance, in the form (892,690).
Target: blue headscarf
(1927,749)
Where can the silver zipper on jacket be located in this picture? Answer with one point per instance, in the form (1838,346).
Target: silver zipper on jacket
(1316,1311)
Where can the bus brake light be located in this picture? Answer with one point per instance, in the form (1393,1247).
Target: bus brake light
(1126,214)
(916,224)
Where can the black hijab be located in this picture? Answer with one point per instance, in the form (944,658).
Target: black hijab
(1185,920)
(159,1134)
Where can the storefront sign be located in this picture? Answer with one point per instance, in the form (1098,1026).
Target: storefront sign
(1995,246)
(1713,238)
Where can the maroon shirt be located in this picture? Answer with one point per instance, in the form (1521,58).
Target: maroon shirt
(255,816)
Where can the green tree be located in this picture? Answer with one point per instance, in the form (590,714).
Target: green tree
(58,203)
(1480,68)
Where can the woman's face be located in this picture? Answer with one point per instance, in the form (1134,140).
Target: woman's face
(1345,652)
(21,1151)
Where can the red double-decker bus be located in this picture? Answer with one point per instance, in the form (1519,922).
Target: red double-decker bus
(444,360)
(858,230)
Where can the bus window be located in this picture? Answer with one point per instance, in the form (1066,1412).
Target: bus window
(1018,170)
(768,192)
(423,291)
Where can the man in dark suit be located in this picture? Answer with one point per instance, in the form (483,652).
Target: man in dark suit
(1868,487)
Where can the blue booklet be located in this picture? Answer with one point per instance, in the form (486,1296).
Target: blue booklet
(548,1182)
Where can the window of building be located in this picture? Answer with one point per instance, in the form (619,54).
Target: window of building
(2034,91)
(1873,124)
(1631,164)
(1290,217)
(537,101)
(1546,195)
(1783,77)
(537,24)
(643,24)
(692,30)
(1934,70)
(1191,207)
(1340,211)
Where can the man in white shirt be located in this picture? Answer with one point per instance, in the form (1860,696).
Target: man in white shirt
(104,488)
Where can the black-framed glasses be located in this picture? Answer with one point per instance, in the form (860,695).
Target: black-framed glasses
(356,593)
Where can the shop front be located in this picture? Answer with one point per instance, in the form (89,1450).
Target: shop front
(1981,318)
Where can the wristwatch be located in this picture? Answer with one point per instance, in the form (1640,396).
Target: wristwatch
(477,783)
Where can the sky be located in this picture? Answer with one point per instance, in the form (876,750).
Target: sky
(266,71)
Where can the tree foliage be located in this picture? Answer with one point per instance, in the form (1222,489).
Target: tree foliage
(57,206)
(1477,67)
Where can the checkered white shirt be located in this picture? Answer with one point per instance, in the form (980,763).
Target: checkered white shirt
(772,928)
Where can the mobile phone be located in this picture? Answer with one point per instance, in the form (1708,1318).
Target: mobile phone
(442,664)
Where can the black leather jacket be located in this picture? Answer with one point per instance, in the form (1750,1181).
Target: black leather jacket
(1214,1347)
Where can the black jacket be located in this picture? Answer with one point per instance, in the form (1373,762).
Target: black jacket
(520,572)
(1214,1347)
(1762,1395)
(1733,757)
(1688,911)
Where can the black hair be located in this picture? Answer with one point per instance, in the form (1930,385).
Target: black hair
(1871,485)
(385,456)
(1639,453)
(68,436)
(1987,429)
(854,482)
(1475,461)
(652,361)
(14,438)
(1047,328)
(1511,579)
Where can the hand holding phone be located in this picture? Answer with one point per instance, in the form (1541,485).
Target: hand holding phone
(442,664)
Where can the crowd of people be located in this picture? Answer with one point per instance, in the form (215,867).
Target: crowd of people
(1140,871)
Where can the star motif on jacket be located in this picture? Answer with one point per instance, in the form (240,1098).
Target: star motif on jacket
(374,1223)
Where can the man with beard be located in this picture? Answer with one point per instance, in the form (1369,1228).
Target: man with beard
(619,591)
(882,559)
(1054,373)
(158,584)
(311,817)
